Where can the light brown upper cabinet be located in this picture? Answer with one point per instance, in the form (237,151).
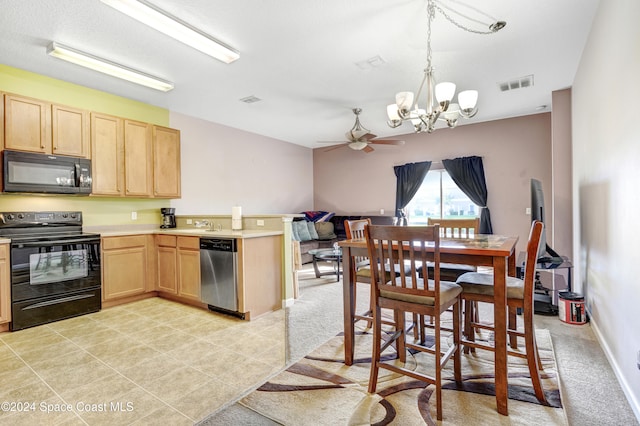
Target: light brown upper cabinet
(38,126)
(166,162)
(107,147)
(70,131)
(138,163)
(27,124)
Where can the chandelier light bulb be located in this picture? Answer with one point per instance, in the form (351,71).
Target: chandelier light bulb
(392,112)
(416,114)
(445,91)
(404,100)
(468,99)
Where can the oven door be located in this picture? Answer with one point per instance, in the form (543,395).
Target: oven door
(52,280)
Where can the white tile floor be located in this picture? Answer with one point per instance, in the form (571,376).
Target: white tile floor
(148,362)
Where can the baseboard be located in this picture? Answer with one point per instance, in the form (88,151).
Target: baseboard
(633,401)
(287,303)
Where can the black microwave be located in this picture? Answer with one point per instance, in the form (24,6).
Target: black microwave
(45,174)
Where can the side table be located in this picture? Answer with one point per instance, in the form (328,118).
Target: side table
(330,255)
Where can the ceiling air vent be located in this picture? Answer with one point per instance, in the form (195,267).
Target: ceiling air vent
(250,99)
(517,83)
(373,62)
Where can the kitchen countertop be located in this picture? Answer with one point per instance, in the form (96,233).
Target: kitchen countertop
(5,240)
(115,231)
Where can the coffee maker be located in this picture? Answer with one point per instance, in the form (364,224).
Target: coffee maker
(168,217)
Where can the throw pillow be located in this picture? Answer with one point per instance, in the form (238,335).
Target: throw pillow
(318,216)
(303,230)
(294,231)
(325,230)
(312,230)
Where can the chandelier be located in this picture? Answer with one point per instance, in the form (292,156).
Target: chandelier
(438,99)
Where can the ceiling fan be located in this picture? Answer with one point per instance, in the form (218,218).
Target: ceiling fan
(360,139)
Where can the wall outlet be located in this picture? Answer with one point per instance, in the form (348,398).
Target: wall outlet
(527,211)
(260,222)
(134,215)
(381,212)
(189,221)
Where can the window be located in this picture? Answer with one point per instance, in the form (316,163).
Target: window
(439,197)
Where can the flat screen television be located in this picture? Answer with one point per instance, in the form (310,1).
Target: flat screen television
(545,253)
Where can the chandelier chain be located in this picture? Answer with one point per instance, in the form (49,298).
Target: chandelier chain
(457,24)
(432,14)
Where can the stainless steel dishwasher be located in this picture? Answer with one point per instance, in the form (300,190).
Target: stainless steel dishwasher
(218,271)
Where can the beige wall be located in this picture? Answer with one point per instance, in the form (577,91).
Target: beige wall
(606,152)
(561,208)
(513,151)
(223,167)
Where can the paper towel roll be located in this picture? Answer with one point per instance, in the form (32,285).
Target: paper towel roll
(236,218)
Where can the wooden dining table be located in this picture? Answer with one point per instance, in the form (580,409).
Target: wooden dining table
(495,251)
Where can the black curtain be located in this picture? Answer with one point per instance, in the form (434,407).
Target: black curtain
(468,174)
(409,178)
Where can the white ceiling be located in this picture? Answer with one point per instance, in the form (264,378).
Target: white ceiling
(300,57)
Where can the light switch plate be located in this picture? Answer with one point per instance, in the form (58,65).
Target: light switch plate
(260,222)
(134,215)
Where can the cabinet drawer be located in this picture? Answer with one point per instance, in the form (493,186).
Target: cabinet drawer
(110,243)
(166,240)
(189,243)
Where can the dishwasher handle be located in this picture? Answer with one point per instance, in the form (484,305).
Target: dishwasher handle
(219,244)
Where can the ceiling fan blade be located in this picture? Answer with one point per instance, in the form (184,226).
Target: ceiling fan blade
(367,136)
(331,148)
(387,142)
(332,142)
(368,149)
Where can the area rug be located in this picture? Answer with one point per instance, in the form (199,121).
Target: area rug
(321,390)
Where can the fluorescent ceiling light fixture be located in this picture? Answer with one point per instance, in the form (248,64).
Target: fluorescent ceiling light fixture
(104,66)
(162,21)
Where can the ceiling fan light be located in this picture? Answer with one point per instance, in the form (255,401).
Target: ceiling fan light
(468,99)
(357,145)
(356,134)
(404,100)
(445,91)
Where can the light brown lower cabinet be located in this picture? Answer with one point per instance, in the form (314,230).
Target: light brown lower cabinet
(189,267)
(178,265)
(259,275)
(125,262)
(5,285)
(167,263)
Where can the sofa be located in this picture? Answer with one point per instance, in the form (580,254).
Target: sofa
(328,231)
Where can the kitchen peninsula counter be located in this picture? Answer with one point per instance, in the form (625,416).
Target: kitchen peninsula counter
(167,264)
(116,231)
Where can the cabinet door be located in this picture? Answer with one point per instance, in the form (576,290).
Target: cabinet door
(107,150)
(5,285)
(166,162)
(137,159)
(167,263)
(70,131)
(189,267)
(27,124)
(124,267)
